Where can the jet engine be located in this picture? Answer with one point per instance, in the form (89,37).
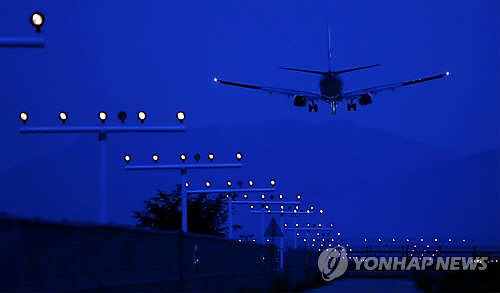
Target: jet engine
(365,99)
(299,101)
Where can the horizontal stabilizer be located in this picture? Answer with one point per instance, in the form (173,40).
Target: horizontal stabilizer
(328,73)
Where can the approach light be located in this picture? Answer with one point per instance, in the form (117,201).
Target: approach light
(421,239)
(103,116)
(251,207)
(155,158)
(207,184)
(463,241)
(197,157)
(282,207)
(181,116)
(295,211)
(286,225)
(187,185)
(319,225)
(267,207)
(308,211)
(366,240)
(245,196)
(435,240)
(37,20)
(250,182)
(263,196)
(298,196)
(215,79)
(393,240)
(338,234)
(308,225)
(447,73)
(449,240)
(122,116)
(229,183)
(296,225)
(296,207)
(63,116)
(227,195)
(407,240)
(211,157)
(142,116)
(24,117)
(281,196)
(379,240)
(312,208)
(321,211)
(273,182)
(183,157)
(127,158)
(239,156)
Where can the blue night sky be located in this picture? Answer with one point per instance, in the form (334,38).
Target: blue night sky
(423,160)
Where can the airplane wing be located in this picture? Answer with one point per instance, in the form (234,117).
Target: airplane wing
(375,90)
(272,90)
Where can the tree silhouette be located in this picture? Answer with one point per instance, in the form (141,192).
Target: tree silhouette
(205,215)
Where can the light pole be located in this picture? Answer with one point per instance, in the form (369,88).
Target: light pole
(102,132)
(184,168)
(230,200)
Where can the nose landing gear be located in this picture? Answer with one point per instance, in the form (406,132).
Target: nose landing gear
(334,108)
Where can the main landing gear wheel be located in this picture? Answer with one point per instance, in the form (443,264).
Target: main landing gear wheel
(313,107)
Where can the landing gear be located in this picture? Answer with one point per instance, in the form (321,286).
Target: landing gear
(351,106)
(313,107)
(334,109)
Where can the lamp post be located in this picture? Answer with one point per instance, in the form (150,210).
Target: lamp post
(184,168)
(102,132)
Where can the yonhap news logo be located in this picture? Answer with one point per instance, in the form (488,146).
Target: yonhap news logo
(327,261)
(333,263)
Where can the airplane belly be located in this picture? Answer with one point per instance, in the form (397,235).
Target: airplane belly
(331,86)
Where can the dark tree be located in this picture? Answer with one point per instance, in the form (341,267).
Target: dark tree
(205,215)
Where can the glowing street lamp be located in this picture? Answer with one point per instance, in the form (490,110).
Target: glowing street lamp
(63,116)
(298,196)
(37,20)
(181,116)
(126,158)
(250,182)
(24,117)
(142,116)
(263,196)
(273,182)
(229,183)
(207,184)
(155,158)
(183,157)
(211,157)
(239,156)
(281,196)
(321,211)
(103,116)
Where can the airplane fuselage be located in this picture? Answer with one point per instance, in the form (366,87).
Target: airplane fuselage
(331,86)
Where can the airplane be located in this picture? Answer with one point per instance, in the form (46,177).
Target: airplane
(331,87)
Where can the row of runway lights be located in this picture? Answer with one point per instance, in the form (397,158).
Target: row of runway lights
(122,116)
(196,157)
(408,240)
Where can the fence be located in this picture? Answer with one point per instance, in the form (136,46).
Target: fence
(43,256)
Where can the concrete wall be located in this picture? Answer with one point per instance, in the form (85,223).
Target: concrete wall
(42,256)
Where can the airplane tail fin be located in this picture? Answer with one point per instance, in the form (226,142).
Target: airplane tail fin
(329,72)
